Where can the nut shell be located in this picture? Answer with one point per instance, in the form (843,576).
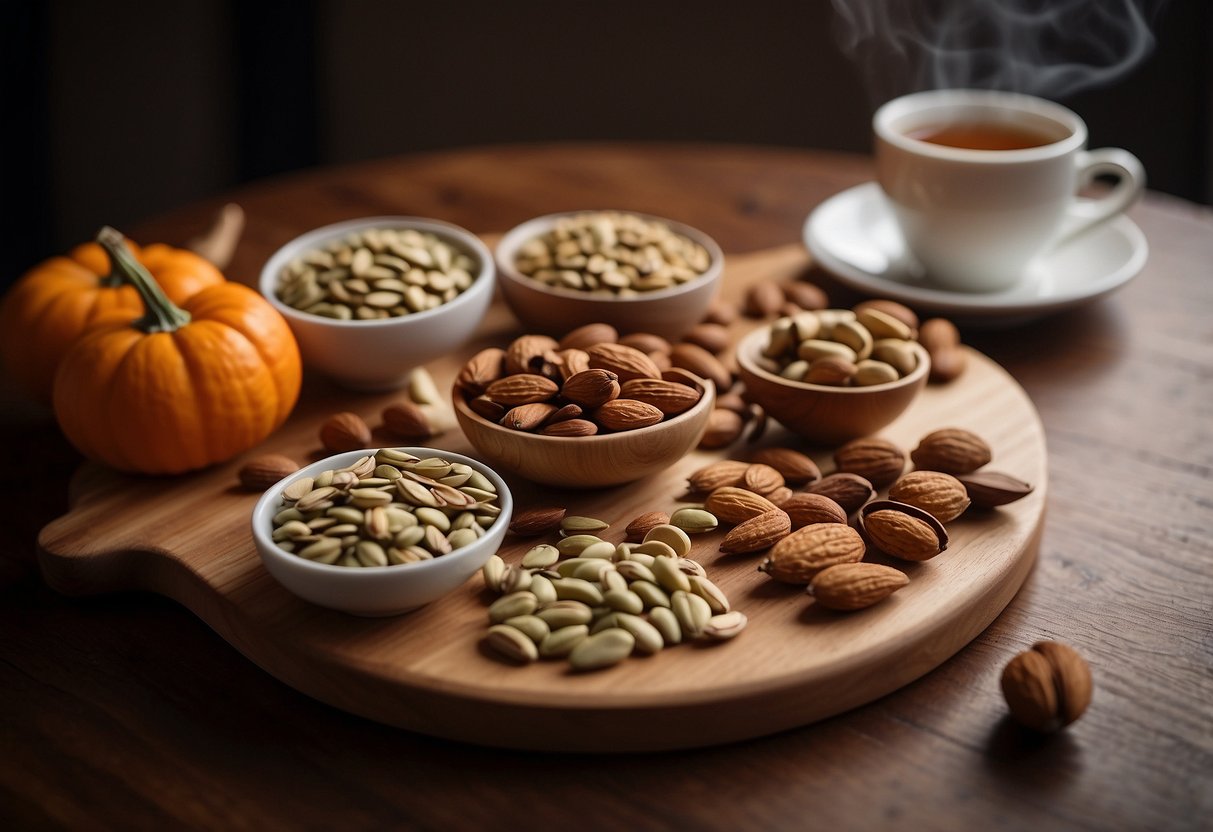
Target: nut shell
(903,531)
(990,489)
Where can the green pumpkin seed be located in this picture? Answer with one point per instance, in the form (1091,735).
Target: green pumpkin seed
(669,576)
(603,649)
(671,536)
(666,622)
(651,594)
(533,627)
(649,639)
(560,614)
(577,589)
(559,643)
(511,643)
(512,605)
(541,556)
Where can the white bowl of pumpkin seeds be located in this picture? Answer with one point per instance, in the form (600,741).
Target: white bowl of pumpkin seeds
(382,531)
(370,299)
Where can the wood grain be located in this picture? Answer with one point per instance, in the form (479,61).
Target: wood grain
(187,537)
(154,720)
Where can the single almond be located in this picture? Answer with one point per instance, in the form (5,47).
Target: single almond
(532,522)
(591,388)
(723,428)
(805,295)
(877,460)
(938,334)
(522,388)
(848,490)
(721,312)
(763,299)
(757,533)
(717,474)
(903,531)
(947,365)
(642,525)
(624,361)
(761,479)
(944,496)
(481,370)
(797,558)
(260,472)
(951,450)
(587,336)
(806,509)
(627,414)
(345,431)
(1047,687)
(527,417)
(735,403)
(570,427)
(796,468)
(855,586)
(669,397)
(572,362)
(703,364)
(646,342)
(405,420)
(524,349)
(487,408)
(736,505)
(712,337)
(780,496)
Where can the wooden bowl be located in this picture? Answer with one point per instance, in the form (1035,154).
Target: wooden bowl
(586,461)
(554,311)
(820,413)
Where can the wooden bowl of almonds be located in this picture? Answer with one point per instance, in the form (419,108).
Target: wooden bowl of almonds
(589,415)
(830,395)
(379,532)
(636,272)
(370,299)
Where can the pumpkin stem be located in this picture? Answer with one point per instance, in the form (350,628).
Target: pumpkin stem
(161,314)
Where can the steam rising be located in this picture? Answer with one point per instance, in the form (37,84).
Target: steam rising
(1049,48)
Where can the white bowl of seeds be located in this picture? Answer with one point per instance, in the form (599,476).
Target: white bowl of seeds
(370,299)
(637,272)
(380,532)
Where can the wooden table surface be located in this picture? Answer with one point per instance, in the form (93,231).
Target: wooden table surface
(127,712)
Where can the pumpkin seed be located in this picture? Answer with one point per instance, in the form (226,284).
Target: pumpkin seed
(541,556)
(514,604)
(603,649)
(560,614)
(535,628)
(649,639)
(708,591)
(692,611)
(541,587)
(559,643)
(511,643)
(669,576)
(491,572)
(725,626)
(666,623)
(576,589)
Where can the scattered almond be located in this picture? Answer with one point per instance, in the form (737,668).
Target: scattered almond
(405,420)
(797,558)
(796,468)
(345,432)
(877,460)
(941,494)
(951,450)
(854,586)
(806,509)
(642,525)
(724,428)
(848,490)
(532,522)
(589,335)
(757,533)
(1047,687)
(260,472)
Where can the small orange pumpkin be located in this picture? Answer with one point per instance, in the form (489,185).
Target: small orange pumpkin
(59,299)
(181,387)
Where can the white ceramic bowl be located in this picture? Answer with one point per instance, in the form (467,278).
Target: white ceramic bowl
(377,355)
(375,590)
(555,311)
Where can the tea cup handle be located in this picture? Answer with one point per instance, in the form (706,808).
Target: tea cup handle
(1085,214)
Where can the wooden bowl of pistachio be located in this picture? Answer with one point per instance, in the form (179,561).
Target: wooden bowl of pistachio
(838,407)
(637,272)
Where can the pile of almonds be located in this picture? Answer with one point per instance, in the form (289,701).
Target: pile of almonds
(589,382)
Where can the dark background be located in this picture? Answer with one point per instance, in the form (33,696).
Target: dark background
(116,111)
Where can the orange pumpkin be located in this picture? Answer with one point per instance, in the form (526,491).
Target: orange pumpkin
(59,299)
(181,387)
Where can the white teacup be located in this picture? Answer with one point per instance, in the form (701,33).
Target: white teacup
(975,215)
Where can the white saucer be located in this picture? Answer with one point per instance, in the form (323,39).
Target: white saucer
(853,236)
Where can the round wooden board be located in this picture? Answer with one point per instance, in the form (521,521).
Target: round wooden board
(187,538)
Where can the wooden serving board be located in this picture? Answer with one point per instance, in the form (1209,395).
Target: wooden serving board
(188,538)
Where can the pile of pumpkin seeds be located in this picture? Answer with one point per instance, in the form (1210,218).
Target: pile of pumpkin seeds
(387,509)
(611,253)
(378,273)
(596,603)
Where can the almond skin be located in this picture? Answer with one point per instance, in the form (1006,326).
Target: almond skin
(855,586)
(260,472)
(951,450)
(757,533)
(591,388)
(345,432)
(802,554)
(990,489)
(627,414)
